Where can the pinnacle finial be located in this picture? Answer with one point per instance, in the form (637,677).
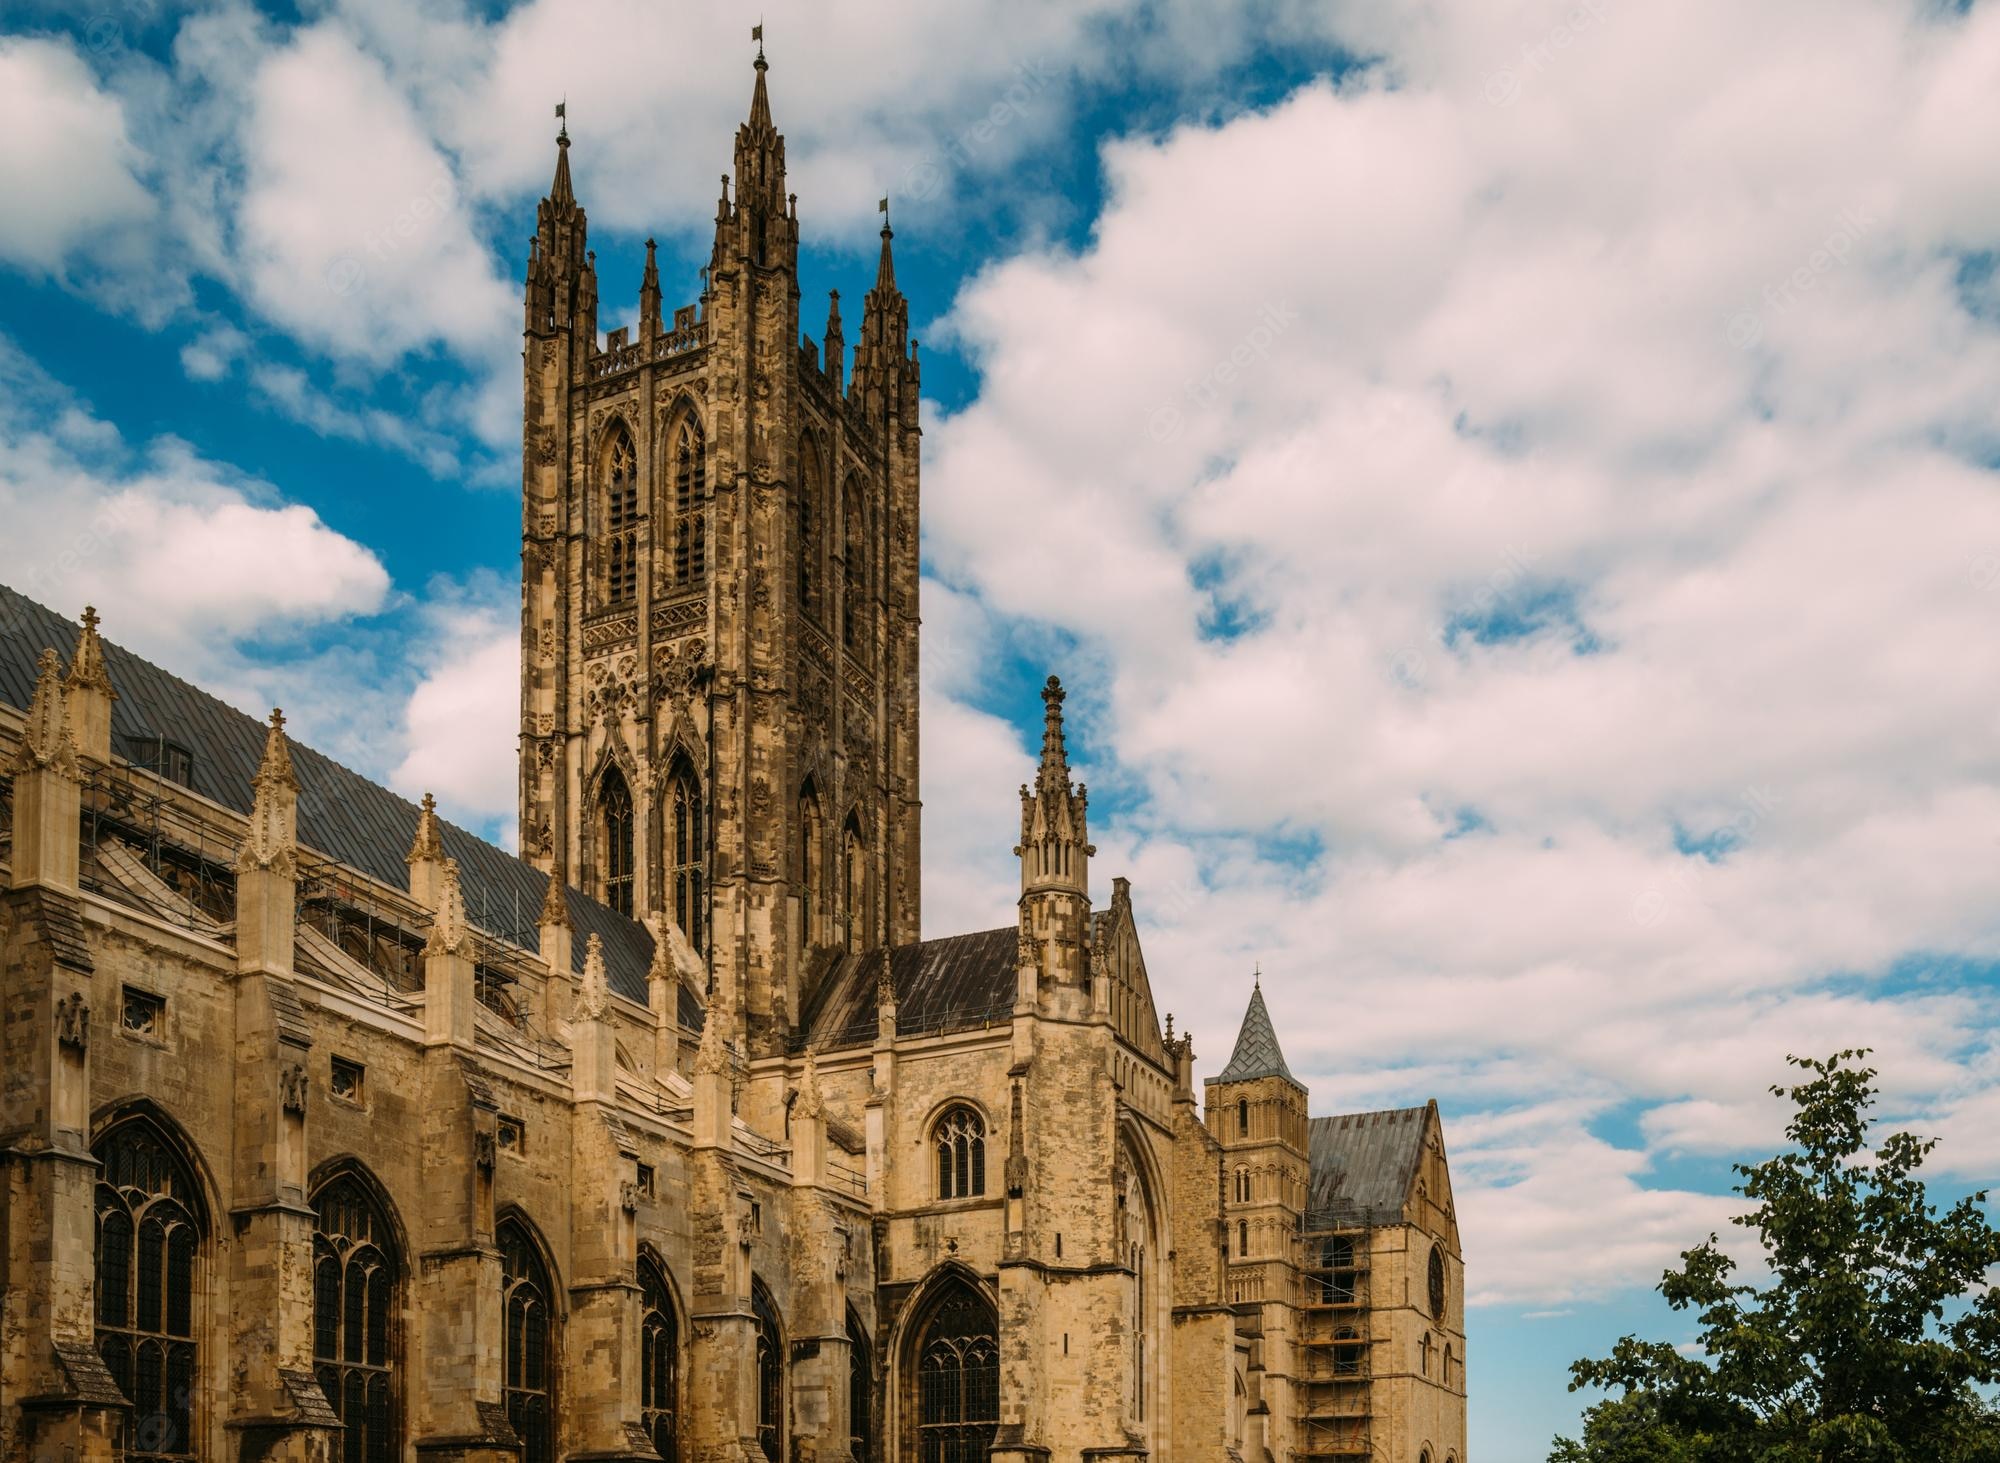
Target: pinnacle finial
(811,1103)
(594,999)
(271,842)
(86,667)
(555,904)
(46,740)
(451,932)
(428,843)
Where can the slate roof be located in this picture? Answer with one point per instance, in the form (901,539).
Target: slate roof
(342,814)
(1257,1054)
(951,984)
(1362,1165)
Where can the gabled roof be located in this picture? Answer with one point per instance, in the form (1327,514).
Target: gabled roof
(1362,1165)
(343,815)
(950,984)
(1257,1054)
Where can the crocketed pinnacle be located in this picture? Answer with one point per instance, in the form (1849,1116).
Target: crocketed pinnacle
(555,905)
(46,739)
(451,931)
(428,843)
(86,669)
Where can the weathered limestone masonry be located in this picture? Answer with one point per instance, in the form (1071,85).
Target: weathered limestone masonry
(332,1132)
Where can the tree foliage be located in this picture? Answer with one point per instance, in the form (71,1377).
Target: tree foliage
(1867,1345)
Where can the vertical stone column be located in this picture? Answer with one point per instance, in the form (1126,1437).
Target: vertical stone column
(722,1359)
(276,1408)
(458,1414)
(58,1400)
(818,1255)
(601,1336)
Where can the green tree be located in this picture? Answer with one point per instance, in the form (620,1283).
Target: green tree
(1867,1345)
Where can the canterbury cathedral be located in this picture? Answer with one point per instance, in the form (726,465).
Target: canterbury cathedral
(334,1132)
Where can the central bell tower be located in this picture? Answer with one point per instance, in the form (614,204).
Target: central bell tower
(719,601)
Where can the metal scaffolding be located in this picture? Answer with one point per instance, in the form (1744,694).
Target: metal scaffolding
(1335,1366)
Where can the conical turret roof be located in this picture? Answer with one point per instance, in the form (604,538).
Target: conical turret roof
(1257,1053)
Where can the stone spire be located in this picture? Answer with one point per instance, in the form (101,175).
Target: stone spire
(271,842)
(46,740)
(1257,1053)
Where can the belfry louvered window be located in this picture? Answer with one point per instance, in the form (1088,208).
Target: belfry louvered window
(960,1138)
(958,1381)
(621,520)
(659,1361)
(354,1327)
(688,523)
(808,526)
(149,1242)
(527,1367)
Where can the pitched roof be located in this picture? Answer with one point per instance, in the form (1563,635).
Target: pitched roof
(1362,1165)
(950,984)
(343,815)
(1257,1053)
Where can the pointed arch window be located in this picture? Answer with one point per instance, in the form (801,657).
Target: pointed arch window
(1437,1283)
(615,843)
(770,1372)
(811,490)
(812,861)
(355,1276)
(687,849)
(860,1391)
(688,522)
(960,1140)
(854,568)
(527,1363)
(621,518)
(659,1363)
(958,1381)
(149,1252)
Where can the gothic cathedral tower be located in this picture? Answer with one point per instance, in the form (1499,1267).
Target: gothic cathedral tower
(719,601)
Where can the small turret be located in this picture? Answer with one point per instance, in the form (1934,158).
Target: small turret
(761,225)
(562,282)
(883,365)
(1055,852)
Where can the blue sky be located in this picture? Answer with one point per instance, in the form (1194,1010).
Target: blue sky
(1510,486)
